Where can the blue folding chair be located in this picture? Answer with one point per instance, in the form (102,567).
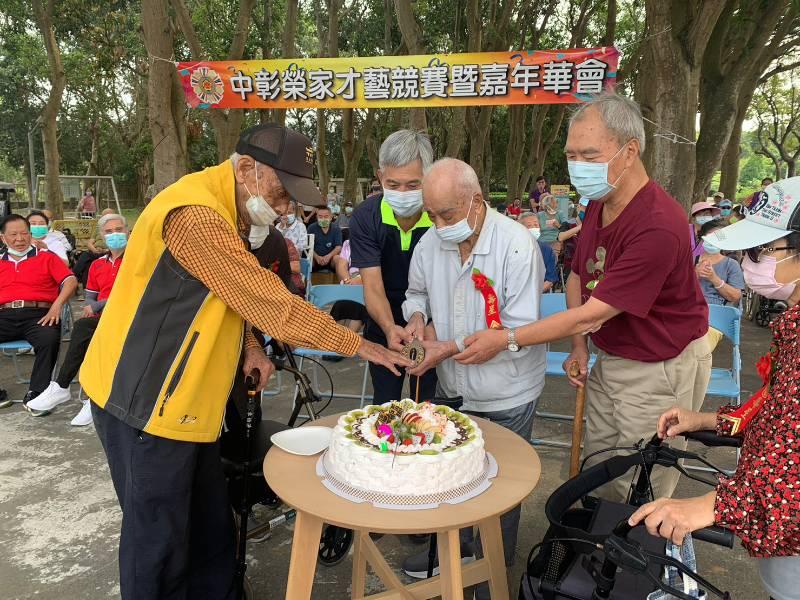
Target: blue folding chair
(551,304)
(322,296)
(727,382)
(11,349)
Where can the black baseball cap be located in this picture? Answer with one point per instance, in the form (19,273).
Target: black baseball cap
(290,154)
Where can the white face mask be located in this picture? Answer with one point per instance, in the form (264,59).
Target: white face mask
(404,204)
(457,232)
(17,253)
(257,236)
(290,219)
(535,232)
(261,213)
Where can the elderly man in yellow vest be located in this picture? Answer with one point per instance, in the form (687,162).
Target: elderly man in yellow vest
(175,324)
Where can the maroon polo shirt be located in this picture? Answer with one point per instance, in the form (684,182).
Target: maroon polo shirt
(642,265)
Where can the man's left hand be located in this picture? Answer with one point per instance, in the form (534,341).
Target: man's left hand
(483,346)
(87,312)
(255,359)
(672,519)
(52,317)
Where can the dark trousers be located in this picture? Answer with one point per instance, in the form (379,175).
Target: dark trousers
(388,386)
(21,324)
(82,264)
(82,333)
(177,540)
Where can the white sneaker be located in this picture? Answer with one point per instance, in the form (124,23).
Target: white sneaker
(84,417)
(50,398)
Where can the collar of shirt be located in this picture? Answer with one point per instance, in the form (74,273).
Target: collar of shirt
(31,253)
(388,218)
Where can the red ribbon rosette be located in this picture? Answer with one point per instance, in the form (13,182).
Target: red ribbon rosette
(485,286)
(742,416)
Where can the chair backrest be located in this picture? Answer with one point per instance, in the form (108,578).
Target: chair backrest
(322,295)
(309,251)
(551,304)
(727,319)
(305,270)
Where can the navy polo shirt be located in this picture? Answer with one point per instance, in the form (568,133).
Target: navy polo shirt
(324,243)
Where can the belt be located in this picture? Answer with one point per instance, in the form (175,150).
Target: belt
(26,304)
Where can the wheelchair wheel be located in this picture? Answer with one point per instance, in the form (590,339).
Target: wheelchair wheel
(334,545)
(762,318)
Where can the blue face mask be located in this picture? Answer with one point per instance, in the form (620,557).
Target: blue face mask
(725,212)
(591,179)
(290,219)
(710,248)
(116,241)
(457,232)
(703,219)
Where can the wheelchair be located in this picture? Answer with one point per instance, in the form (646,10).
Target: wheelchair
(590,552)
(759,309)
(242,457)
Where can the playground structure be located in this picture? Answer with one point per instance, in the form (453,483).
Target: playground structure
(73,187)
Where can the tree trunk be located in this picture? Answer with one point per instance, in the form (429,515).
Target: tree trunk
(165,99)
(413,39)
(353,148)
(265,114)
(732,66)
(288,49)
(517,115)
(790,168)
(52,159)
(94,133)
(322,148)
(729,182)
(669,96)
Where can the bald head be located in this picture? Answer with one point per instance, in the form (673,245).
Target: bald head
(449,189)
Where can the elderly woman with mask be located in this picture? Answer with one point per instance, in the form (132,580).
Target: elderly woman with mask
(760,502)
(700,214)
(549,221)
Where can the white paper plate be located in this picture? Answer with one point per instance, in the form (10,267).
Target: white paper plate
(305,441)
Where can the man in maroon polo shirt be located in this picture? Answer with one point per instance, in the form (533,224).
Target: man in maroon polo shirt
(34,286)
(633,290)
(102,274)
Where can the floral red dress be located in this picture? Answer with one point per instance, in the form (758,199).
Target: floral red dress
(761,501)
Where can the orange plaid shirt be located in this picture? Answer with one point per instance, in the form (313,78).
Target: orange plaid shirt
(204,244)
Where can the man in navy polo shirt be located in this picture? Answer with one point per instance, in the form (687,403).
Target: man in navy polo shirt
(327,239)
(34,285)
(384,230)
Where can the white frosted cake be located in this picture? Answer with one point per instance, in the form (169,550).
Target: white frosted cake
(404,448)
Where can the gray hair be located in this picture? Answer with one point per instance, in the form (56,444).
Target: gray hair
(621,115)
(464,176)
(112,217)
(235,159)
(404,147)
(528,215)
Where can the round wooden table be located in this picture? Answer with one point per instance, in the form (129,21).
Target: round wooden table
(294,480)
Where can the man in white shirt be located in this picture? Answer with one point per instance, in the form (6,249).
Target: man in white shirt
(444,305)
(293,229)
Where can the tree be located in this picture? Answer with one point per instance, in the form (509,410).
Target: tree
(672,56)
(165,98)
(738,52)
(413,40)
(777,110)
(227,123)
(44,20)
(288,47)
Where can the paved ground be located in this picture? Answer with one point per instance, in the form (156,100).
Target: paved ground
(59,518)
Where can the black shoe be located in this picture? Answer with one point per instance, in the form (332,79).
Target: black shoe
(4,401)
(416,566)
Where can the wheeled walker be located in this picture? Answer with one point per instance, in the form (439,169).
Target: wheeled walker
(590,552)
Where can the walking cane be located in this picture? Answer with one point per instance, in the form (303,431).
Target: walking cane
(577,424)
(251,382)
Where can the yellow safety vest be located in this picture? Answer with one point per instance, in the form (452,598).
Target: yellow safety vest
(165,352)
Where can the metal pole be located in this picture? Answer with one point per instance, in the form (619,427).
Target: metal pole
(32,167)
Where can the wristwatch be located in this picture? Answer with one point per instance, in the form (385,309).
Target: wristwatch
(513,346)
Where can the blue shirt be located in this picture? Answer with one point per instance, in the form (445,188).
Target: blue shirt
(730,272)
(324,243)
(550,263)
